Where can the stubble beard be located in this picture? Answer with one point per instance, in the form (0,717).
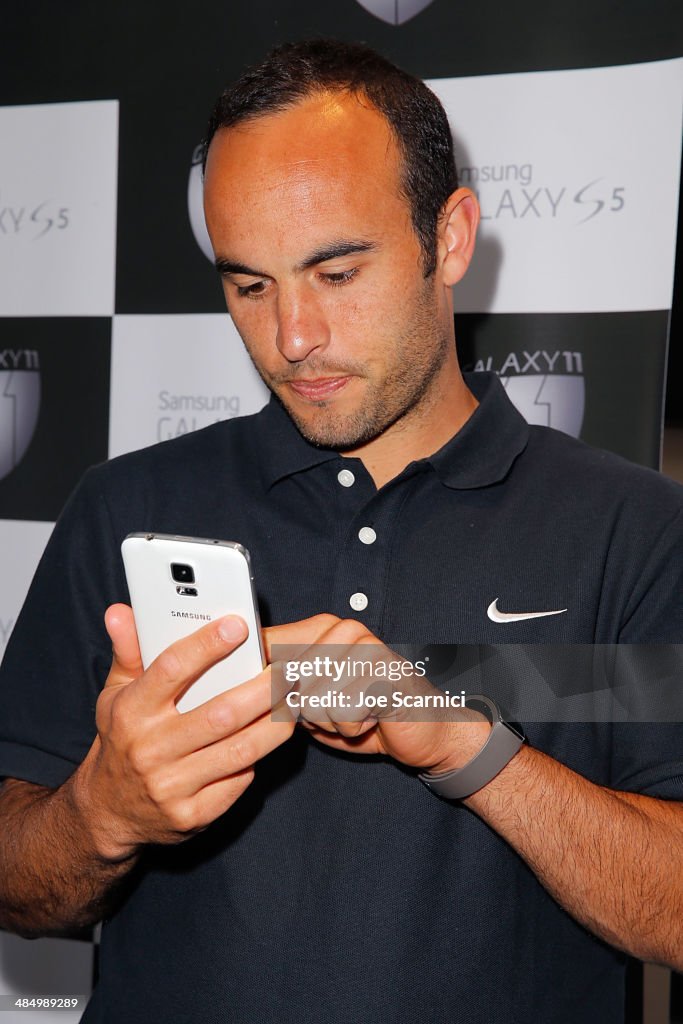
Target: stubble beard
(398,397)
(421,351)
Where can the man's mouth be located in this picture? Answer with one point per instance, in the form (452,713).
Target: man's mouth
(318,388)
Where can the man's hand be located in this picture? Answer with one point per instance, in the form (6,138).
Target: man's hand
(436,740)
(154,775)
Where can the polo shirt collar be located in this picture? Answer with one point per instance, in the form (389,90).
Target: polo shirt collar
(484,449)
(481,453)
(283,451)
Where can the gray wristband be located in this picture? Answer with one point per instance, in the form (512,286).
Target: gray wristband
(502,744)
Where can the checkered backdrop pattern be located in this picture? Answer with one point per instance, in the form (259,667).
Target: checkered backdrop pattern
(113,331)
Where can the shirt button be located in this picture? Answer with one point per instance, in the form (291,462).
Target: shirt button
(367,535)
(346,478)
(358,602)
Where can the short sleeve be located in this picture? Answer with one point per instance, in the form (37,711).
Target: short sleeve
(654,613)
(59,653)
(647,756)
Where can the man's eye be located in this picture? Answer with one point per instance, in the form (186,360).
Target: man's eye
(340,278)
(251,291)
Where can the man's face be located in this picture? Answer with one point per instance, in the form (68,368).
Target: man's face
(322,269)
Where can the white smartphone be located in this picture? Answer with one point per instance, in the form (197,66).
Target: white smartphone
(178,583)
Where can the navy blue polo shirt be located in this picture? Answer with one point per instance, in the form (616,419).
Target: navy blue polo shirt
(338,888)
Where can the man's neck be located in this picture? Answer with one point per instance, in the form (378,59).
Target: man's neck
(418,434)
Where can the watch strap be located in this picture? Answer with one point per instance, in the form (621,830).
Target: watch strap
(503,742)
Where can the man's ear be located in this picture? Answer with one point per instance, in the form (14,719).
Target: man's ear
(456,234)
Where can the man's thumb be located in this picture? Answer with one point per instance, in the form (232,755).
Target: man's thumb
(126,663)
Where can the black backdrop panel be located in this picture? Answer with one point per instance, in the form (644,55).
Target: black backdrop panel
(167,62)
(615,362)
(72,357)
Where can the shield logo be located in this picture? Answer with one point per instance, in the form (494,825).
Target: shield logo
(19,408)
(395,12)
(195,205)
(549,399)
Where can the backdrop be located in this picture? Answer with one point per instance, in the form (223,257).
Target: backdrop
(567,123)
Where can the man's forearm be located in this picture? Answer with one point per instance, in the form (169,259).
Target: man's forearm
(613,860)
(52,877)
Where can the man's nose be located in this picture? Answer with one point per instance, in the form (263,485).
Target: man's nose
(301,326)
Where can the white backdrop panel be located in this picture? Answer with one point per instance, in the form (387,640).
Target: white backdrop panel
(577,175)
(58,168)
(21,546)
(44,967)
(48,966)
(173,374)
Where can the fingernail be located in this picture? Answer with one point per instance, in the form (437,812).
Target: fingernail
(232,629)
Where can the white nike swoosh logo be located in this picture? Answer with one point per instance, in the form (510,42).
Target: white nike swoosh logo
(496,616)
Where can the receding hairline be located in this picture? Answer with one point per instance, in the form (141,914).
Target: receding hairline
(417,121)
(248,119)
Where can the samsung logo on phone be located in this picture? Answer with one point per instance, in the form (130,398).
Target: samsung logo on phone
(191,615)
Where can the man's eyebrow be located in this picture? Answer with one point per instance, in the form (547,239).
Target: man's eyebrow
(329,251)
(227,266)
(335,250)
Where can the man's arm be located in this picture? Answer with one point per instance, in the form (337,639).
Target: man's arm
(53,878)
(152,775)
(613,860)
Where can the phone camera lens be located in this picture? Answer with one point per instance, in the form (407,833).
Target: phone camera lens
(182,573)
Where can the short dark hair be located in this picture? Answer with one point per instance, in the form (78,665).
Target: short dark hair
(419,124)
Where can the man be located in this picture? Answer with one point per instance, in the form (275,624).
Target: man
(249,871)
